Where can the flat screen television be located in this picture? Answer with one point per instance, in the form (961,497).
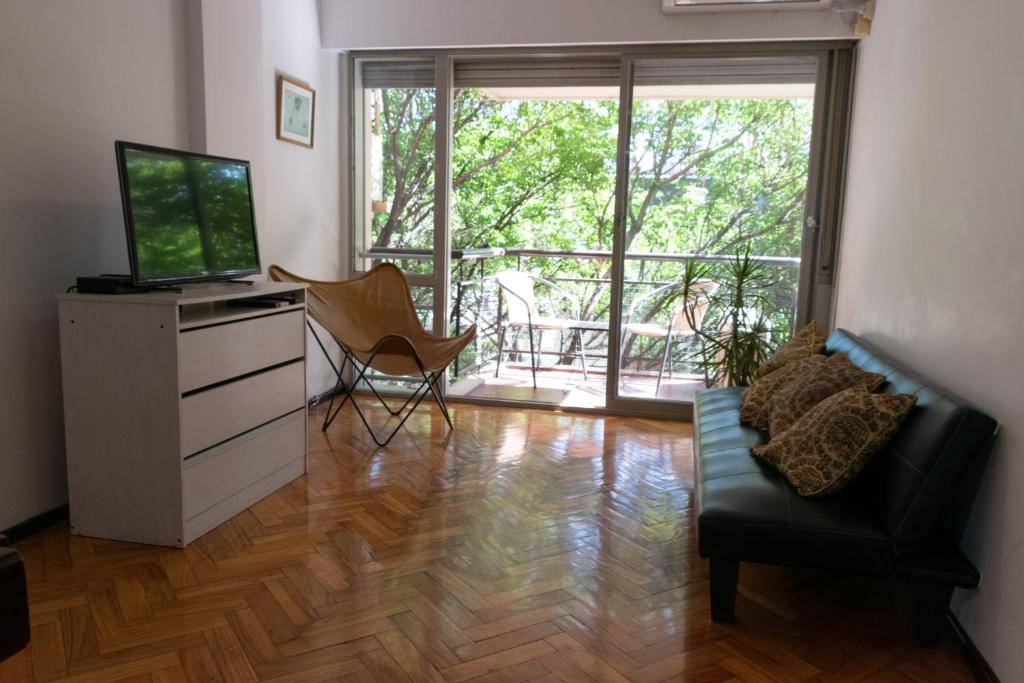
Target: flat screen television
(189,217)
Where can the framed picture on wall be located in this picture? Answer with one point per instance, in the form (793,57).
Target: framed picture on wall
(296,107)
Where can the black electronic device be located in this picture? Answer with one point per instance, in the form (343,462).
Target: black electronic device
(188,217)
(261,302)
(108,284)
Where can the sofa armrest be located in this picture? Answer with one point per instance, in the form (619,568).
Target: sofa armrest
(937,560)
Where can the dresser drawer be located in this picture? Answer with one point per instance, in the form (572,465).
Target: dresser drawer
(220,413)
(221,473)
(213,354)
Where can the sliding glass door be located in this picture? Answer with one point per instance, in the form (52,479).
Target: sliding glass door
(560,202)
(395,111)
(533,176)
(714,171)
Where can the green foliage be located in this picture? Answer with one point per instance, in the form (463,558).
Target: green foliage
(710,177)
(730,352)
(191,216)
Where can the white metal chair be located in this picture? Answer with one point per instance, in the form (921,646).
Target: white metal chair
(521,311)
(678,326)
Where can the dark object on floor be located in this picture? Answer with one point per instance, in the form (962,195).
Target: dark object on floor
(900,518)
(14,624)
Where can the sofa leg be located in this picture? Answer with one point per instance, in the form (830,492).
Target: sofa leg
(724,576)
(928,604)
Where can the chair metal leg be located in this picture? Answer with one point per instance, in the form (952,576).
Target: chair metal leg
(338,386)
(513,345)
(418,394)
(384,403)
(670,363)
(338,371)
(415,398)
(439,399)
(583,352)
(664,359)
(501,346)
(324,349)
(622,361)
(533,358)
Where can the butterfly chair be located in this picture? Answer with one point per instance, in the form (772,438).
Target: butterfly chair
(374,321)
(678,326)
(522,312)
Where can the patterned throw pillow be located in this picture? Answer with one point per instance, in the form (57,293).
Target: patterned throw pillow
(806,342)
(756,407)
(832,443)
(812,385)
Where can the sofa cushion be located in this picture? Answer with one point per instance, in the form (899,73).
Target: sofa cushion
(756,408)
(826,448)
(941,439)
(806,342)
(711,401)
(813,382)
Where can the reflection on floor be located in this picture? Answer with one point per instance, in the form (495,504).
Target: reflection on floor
(566,387)
(522,545)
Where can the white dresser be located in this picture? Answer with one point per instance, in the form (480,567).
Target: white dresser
(180,411)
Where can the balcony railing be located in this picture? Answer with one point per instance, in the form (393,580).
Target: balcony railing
(476,298)
(458,255)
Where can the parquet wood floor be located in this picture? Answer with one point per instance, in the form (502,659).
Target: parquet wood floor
(523,546)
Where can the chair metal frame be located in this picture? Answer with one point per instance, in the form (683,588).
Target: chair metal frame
(362,360)
(666,353)
(429,385)
(577,331)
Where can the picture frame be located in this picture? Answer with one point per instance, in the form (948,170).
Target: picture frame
(296,111)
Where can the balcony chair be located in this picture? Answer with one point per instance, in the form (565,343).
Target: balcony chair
(373,319)
(521,311)
(678,326)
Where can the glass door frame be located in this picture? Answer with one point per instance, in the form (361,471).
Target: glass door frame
(823,202)
(813,204)
(439,279)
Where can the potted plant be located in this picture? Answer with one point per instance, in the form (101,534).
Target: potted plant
(730,350)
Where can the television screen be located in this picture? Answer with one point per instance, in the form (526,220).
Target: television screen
(189,217)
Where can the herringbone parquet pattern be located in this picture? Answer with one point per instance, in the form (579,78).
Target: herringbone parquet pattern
(522,546)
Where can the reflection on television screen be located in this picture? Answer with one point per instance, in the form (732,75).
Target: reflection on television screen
(192,216)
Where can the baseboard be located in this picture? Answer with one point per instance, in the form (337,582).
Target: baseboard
(975,660)
(36,523)
(314,401)
(320,398)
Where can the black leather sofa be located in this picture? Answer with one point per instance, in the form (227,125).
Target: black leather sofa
(900,518)
(14,621)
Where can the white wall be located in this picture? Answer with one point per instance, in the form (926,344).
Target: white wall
(302,223)
(930,263)
(244,44)
(358,24)
(230,82)
(74,77)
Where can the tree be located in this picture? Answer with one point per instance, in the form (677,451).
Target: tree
(705,176)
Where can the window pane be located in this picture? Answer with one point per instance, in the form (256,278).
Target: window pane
(533,177)
(718,167)
(396,139)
